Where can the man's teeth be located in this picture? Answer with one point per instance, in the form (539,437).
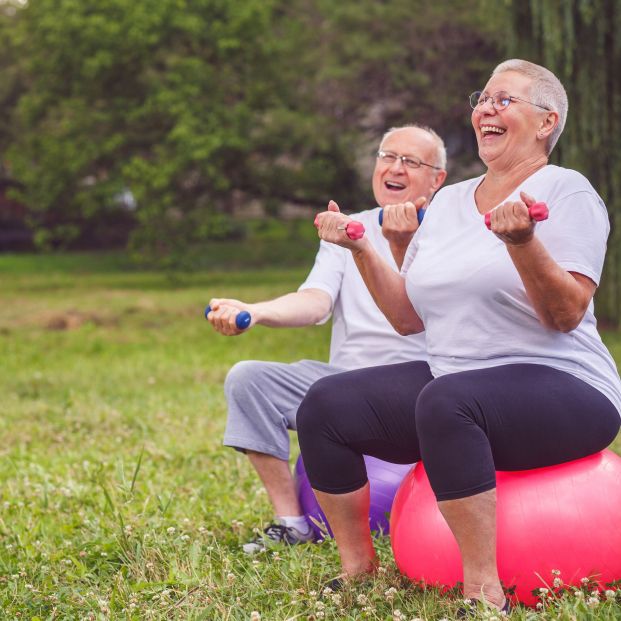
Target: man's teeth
(394,186)
(492,129)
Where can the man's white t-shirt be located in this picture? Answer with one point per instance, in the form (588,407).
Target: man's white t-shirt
(464,286)
(361,335)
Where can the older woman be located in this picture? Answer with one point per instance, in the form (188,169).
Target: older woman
(517,378)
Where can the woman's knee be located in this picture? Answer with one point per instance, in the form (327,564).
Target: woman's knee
(318,408)
(443,403)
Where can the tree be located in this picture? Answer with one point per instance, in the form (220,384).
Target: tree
(581,43)
(190,103)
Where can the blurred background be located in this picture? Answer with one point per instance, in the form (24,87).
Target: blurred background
(175,131)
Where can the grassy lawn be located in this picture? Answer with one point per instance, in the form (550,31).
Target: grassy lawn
(117,500)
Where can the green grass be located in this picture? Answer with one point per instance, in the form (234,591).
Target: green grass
(117,499)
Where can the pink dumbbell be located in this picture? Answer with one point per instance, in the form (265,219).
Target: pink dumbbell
(537,212)
(353,229)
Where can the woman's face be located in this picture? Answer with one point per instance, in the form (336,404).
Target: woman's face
(509,137)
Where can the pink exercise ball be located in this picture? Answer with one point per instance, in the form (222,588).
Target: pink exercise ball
(384,480)
(563,517)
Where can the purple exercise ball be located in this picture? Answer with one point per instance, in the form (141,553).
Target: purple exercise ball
(384,480)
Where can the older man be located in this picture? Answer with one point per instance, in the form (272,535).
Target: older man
(263,397)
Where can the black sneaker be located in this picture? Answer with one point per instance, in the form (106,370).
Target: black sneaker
(277,533)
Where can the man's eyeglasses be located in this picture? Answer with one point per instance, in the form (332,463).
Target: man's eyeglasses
(500,100)
(409,161)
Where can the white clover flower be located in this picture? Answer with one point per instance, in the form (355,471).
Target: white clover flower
(397,615)
(539,606)
(171,530)
(326,591)
(390,594)
(557,582)
(312,593)
(255,615)
(319,605)
(362,599)
(610,594)
(584,580)
(579,594)
(336,598)
(556,572)
(230,577)
(592,602)
(543,591)
(320,614)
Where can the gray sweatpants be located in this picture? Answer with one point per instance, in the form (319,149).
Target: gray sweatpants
(263,400)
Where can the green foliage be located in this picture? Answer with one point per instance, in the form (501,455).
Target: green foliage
(201,106)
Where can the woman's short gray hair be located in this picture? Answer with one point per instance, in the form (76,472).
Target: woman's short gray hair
(440,157)
(546,90)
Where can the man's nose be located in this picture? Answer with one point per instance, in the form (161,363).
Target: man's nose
(398,165)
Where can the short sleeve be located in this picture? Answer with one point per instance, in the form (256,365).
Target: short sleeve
(576,233)
(327,272)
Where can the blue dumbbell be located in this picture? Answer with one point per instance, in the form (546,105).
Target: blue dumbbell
(242,321)
(420,214)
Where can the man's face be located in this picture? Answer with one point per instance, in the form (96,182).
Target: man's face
(396,183)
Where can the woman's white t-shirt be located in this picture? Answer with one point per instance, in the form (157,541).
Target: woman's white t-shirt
(464,286)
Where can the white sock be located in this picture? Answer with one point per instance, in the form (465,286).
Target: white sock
(299,522)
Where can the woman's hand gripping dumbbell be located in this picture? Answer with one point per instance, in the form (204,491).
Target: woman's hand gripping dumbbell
(353,229)
(537,211)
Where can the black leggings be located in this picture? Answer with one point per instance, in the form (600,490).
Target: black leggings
(464,426)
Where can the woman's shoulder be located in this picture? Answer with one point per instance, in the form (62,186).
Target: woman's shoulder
(561,181)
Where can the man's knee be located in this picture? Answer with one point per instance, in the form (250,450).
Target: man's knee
(243,378)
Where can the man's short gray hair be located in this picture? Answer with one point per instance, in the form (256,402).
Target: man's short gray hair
(546,90)
(440,157)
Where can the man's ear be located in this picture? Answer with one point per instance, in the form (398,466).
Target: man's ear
(439,180)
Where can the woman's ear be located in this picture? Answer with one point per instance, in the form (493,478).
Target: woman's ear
(547,125)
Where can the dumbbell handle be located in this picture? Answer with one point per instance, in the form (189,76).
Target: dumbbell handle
(242,321)
(537,212)
(420,214)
